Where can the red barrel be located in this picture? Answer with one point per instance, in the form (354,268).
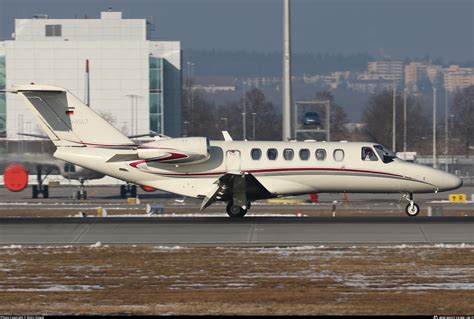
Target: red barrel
(15,178)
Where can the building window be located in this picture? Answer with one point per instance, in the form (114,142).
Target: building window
(53,30)
(272,154)
(338,155)
(256,153)
(156,94)
(304,154)
(320,154)
(288,154)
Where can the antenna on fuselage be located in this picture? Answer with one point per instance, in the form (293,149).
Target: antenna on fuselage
(227,136)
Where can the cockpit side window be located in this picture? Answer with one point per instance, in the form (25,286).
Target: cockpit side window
(385,154)
(368,154)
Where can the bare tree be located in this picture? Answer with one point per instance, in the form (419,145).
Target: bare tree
(338,119)
(267,122)
(199,114)
(378,117)
(463,108)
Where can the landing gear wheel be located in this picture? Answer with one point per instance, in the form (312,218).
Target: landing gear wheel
(45,191)
(412,209)
(235,211)
(35,191)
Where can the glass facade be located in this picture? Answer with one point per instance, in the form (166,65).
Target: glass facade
(3,104)
(156,94)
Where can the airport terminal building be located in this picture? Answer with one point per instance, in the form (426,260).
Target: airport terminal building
(134,82)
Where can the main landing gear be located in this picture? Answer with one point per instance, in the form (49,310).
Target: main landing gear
(128,189)
(235,211)
(41,189)
(81,192)
(412,208)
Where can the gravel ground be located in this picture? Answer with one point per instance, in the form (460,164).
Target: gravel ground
(148,280)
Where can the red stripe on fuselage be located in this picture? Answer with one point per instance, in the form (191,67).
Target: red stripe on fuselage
(282,170)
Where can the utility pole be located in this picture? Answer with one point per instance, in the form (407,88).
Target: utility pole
(435,165)
(286,109)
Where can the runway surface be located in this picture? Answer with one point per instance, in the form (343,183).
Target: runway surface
(223,231)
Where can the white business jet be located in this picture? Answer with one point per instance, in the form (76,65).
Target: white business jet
(236,172)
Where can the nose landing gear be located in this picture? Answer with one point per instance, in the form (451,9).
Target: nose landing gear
(412,209)
(235,211)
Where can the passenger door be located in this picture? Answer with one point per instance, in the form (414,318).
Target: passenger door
(232,161)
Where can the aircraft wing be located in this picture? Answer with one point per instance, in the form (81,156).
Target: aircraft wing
(238,188)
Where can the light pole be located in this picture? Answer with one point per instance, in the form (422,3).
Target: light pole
(253,125)
(185,128)
(445,129)
(451,137)
(225,122)
(328,120)
(244,113)
(404,123)
(190,92)
(286,99)
(434,128)
(394,111)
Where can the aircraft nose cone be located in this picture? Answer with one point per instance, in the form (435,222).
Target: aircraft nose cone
(449,182)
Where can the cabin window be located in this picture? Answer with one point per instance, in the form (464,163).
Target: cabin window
(320,154)
(338,155)
(256,153)
(304,154)
(288,154)
(368,154)
(272,154)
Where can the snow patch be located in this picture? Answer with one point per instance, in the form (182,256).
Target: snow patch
(11,247)
(96,245)
(55,288)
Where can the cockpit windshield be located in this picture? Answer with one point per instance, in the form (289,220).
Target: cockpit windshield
(385,154)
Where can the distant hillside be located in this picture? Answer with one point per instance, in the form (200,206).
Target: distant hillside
(259,64)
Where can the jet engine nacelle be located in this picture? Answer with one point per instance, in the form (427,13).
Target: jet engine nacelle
(175,150)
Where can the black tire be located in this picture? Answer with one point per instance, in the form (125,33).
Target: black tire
(412,211)
(45,191)
(78,195)
(133,191)
(35,191)
(84,195)
(235,211)
(123,191)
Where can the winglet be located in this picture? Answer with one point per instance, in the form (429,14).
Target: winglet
(227,136)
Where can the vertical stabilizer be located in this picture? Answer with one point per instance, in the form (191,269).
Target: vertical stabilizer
(67,120)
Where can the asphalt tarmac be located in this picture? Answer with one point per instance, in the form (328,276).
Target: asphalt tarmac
(249,231)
